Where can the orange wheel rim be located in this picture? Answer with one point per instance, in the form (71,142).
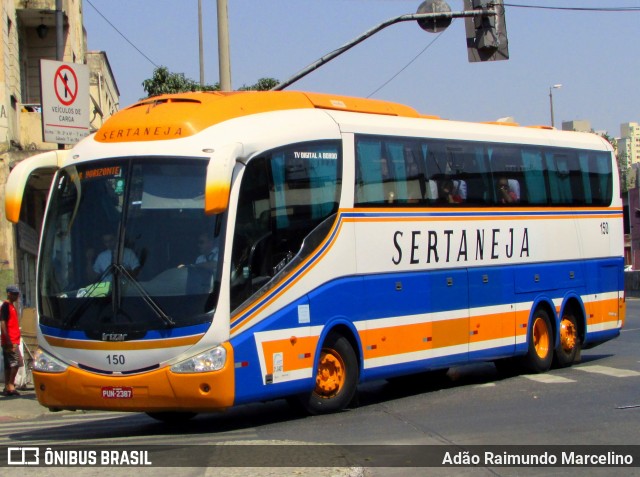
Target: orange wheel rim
(331,374)
(541,337)
(568,334)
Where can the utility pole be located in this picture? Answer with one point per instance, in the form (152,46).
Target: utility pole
(551,88)
(200,42)
(224,61)
(59,41)
(59,31)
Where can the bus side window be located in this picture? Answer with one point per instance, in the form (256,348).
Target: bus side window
(372,169)
(565,178)
(284,195)
(396,182)
(596,177)
(534,176)
(415,176)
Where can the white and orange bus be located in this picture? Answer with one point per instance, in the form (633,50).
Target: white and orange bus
(205,250)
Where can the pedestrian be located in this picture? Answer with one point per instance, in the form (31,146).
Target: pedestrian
(10,327)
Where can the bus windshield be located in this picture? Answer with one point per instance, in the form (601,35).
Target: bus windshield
(127,248)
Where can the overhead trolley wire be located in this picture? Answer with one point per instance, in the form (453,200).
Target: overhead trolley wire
(577,9)
(122,34)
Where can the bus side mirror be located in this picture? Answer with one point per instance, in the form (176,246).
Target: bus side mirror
(14,189)
(219,171)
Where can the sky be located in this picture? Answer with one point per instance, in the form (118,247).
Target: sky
(593,55)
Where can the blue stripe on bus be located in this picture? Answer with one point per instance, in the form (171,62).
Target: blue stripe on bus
(373,297)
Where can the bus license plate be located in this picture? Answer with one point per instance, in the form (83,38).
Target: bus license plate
(111,392)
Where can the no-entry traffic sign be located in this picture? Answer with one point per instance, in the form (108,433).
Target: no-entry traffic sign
(65,85)
(64,89)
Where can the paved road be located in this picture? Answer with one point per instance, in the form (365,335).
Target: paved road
(597,401)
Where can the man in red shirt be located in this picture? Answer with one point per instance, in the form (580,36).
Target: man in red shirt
(10,327)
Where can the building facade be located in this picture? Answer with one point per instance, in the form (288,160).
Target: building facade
(629,142)
(580,125)
(29,31)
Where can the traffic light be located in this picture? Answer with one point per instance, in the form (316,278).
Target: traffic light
(486,34)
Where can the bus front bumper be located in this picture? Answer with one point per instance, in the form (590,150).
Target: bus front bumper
(155,391)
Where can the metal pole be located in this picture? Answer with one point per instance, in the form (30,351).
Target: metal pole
(402,18)
(224,61)
(59,31)
(200,43)
(551,105)
(551,88)
(59,40)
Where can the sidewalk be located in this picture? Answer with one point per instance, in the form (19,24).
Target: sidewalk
(25,406)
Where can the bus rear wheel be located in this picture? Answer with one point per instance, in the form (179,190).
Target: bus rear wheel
(540,354)
(565,353)
(336,377)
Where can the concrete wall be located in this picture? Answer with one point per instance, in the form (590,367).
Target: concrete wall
(632,284)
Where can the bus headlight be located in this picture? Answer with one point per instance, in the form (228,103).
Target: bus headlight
(46,363)
(211,360)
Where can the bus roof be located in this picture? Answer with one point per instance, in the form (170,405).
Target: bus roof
(174,116)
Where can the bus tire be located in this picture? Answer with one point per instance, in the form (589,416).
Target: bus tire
(540,354)
(172,417)
(336,377)
(567,349)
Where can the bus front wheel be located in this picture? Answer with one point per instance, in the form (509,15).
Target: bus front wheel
(336,377)
(540,354)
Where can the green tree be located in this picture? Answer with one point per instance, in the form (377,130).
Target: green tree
(165,82)
(622,160)
(263,84)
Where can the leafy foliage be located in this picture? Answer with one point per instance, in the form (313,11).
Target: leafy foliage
(623,162)
(165,82)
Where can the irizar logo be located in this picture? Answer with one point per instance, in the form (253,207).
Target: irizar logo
(114,336)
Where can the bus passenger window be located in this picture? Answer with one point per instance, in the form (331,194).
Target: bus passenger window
(507,191)
(284,195)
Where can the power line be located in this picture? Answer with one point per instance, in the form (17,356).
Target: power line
(122,35)
(407,65)
(584,9)
(578,9)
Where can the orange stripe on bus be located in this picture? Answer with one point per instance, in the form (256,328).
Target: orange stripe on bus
(602,311)
(122,345)
(297,353)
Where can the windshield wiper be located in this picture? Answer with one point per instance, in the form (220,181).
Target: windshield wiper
(74,315)
(159,312)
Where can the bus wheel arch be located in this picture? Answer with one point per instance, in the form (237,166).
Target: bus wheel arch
(571,331)
(540,339)
(337,373)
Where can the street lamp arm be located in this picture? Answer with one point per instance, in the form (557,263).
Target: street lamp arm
(347,46)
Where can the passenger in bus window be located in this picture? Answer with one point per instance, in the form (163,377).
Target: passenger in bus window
(506,195)
(208,252)
(208,249)
(104,259)
(449,193)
